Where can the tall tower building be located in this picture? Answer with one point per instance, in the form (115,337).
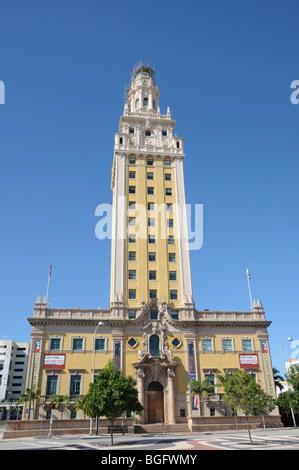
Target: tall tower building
(151,329)
(150,255)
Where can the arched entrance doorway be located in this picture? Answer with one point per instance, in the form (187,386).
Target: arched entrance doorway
(155,403)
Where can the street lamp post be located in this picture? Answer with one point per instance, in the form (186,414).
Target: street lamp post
(100,323)
(284,368)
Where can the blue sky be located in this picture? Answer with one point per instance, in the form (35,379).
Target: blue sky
(225,70)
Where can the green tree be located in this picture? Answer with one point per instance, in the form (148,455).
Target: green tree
(277,379)
(292,377)
(29,395)
(241,392)
(79,403)
(201,388)
(59,401)
(111,395)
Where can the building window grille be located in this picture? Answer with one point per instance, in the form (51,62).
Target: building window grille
(132,294)
(55,344)
(51,388)
(206,344)
(75,386)
(153,294)
(77,344)
(100,344)
(173,295)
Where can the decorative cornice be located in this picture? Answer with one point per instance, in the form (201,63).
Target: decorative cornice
(90,317)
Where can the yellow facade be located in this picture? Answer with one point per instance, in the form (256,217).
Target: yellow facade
(160,230)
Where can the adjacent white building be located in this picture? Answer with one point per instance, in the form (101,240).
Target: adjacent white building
(13,370)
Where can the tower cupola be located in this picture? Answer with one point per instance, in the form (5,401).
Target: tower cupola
(143,94)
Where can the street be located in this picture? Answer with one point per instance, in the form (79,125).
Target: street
(269,439)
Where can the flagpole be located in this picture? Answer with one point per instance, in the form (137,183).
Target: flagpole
(248,279)
(49,277)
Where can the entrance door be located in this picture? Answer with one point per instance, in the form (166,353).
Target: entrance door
(155,403)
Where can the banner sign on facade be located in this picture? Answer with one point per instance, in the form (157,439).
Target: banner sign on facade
(54,361)
(249,360)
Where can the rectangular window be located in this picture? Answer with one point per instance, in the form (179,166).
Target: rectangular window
(77,344)
(168,191)
(132,175)
(150,191)
(150,161)
(171,257)
(151,222)
(51,388)
(154,314)
(170,223)
(174,314)
(132,205)
(100,344)
(153,294)
(172,275)
(75,385)
(132,255)
(182,413)
(132,238)
(150,206)
(164,133)
(170,240)
(132,160)
(132,274)
(150,176)
(132,221)
(227,345)
(169,207)
(152,276)
(131,130)
(132,189)
(206,344)
(132,294)
(55,343)
(167,163)
(167,176)
(152,239)
(173,295)
(152,256)
(247,344)
(132,314)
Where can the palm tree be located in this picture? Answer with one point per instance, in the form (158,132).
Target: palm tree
(28,395)
(59,401)
(79,404)
(201,388)
(277,379)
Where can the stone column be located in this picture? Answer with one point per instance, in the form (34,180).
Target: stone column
(171,400)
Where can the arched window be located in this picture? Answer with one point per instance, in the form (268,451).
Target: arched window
(154,345)
(145,101)
(148,133)
(137,104)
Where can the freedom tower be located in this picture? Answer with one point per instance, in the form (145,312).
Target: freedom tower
(152,328)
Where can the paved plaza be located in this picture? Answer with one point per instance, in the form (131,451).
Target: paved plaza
(269,439)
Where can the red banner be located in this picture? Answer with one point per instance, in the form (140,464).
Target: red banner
(249,361)
(54,361)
